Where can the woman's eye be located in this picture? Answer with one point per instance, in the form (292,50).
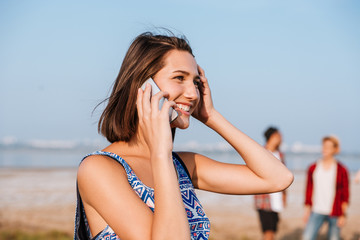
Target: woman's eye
(181,78)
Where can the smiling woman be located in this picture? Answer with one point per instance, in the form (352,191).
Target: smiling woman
(137,187)
(180,79)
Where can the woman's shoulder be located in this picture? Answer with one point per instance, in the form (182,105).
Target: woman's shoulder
(98,165)
(97,158)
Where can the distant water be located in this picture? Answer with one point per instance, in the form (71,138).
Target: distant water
(294,161)
(51,158)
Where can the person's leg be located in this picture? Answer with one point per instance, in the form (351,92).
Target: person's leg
(268,222)
(272,226)
(262,220)
(334,230)
(313,225)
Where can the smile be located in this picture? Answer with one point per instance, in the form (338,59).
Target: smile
(183,107)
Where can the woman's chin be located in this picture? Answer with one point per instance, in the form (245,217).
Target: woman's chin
(180,123)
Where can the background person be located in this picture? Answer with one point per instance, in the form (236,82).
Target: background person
(327,192)
(269,205)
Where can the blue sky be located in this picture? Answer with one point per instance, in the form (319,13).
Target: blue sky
(292,64)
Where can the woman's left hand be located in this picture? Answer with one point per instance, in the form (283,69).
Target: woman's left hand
(205,107)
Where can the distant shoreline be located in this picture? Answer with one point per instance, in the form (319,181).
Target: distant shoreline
(99,143)
(70,158)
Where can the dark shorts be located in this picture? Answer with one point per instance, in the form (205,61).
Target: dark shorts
(269,220)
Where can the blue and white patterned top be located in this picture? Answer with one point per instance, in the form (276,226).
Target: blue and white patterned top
(198,222)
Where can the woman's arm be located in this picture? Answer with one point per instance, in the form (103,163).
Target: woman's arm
(262,172)
(154,128)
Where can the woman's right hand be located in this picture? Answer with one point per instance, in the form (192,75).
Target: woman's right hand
(154,122)
(154,128)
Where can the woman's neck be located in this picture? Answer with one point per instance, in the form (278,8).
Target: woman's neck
(135,147)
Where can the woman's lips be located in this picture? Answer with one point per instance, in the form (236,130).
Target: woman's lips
(183,108)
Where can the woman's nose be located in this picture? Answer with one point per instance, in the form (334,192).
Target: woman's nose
(191,91)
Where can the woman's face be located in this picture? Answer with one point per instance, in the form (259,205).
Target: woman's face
(180,78)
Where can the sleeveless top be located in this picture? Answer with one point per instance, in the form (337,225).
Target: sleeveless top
(198,222)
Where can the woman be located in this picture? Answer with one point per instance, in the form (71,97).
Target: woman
(150,194)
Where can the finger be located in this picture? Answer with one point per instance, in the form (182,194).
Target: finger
(146,100)
(167,105)
(157,101)
(139,98)
(201,71)
(203,78)
(165,110)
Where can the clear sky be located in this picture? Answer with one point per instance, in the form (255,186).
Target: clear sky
(292,64)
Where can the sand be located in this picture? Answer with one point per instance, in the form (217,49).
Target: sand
(44,199)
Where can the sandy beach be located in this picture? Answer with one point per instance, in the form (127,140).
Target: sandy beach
(44,199)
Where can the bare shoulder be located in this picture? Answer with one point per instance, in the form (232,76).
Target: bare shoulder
(97,165)
(109,198)
(97,172)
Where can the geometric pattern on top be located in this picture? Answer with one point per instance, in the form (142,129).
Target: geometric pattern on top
(198,222)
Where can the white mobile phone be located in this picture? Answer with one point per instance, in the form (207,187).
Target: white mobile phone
(154,90)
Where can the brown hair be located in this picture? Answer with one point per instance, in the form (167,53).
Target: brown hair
(144,58)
